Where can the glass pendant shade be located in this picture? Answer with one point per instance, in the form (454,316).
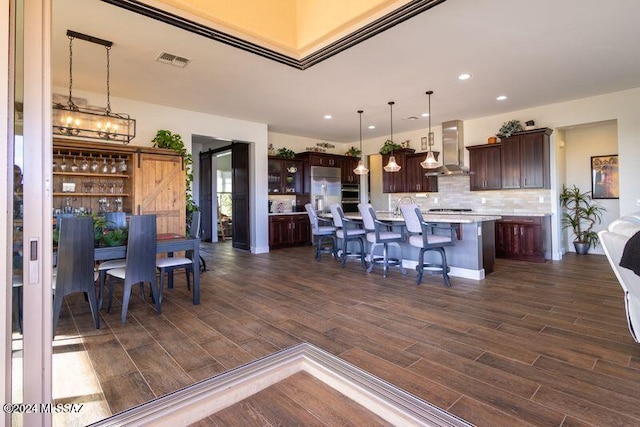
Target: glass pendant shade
(361,169)
(430,162)
(392,166)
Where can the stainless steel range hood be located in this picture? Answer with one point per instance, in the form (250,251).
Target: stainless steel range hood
(452,151)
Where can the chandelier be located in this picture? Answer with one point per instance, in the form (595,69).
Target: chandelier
(361,169)
(91,122)
(431,161)
(392,166)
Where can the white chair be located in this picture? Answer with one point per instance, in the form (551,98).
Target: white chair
(614,241)
(169,264)
(348,231)
(321,234)
(421,235)
(380,234)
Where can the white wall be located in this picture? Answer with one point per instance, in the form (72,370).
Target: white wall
(151,117)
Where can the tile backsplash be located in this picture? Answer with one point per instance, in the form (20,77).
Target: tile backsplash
(453,192)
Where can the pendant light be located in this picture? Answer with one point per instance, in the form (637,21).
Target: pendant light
(392,166)
(361,169)
(430,162)
(91,122)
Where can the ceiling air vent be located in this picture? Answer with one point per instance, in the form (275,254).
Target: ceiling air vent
(169,58)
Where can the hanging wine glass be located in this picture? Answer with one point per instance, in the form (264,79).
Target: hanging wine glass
(113,168)
(84,165)
(74,166)
(94,164)
(122,167)
(105,166)
(63,164)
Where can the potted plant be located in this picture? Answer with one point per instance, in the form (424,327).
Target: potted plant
(353,152)
(509,128)
(285,153)
(580,214)
(389,146)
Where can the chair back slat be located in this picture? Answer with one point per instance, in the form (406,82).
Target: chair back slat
(412,217)
(368,216)
(313,217)
(75,255)
(337,214)
(194,227)
(141,249)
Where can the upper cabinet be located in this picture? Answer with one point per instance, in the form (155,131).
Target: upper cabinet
(484,167)
(395,182)
(417,180)
(525,160)
(519,161)
(347,165)
(284,175)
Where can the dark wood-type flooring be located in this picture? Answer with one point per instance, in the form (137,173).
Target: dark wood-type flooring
(532,344)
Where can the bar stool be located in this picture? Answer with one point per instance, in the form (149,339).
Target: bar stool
(380,234)
(322,235)
(421,235)
(348,231)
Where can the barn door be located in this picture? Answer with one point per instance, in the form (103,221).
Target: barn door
(240,196)
(159,187)
(206,196)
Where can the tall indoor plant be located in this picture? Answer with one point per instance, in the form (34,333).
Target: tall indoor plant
(173,141)
(580,214)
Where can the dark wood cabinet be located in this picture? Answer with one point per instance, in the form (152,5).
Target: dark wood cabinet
(289,230)
(347,165)
(525,160)
(416,180)
(395,182)
(320,159)
(485,167)
(521,238)
(284,175)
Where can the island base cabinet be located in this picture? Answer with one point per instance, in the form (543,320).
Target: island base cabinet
(521,238)
(289,230)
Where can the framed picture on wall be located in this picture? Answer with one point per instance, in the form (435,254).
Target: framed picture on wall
(604,177)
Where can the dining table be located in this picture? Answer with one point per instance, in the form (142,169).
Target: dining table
(166,244)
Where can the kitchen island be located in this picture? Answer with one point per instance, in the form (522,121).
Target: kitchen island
(473,254)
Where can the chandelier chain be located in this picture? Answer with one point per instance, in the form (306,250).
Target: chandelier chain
(70,102)
(108,81)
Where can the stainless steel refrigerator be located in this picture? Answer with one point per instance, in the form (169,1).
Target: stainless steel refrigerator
(326,188)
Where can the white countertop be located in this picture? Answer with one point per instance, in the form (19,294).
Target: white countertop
(288,213)
(453,217)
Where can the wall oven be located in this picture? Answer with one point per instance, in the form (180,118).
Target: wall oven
(350,197)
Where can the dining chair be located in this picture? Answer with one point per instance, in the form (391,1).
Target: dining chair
(169,264)
(422,235)
(348,231)
(322,234)
(112,220)
(74,272)
(140,265)
(381,234)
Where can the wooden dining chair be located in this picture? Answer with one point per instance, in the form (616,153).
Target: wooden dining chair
(112,220)
(422,235)
(74,271)
(169,264)
(140,266)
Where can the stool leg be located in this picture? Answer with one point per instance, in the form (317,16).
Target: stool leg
(397,245)
(371,258)
(445,267)
(420,266)
(362,261)
(343,259)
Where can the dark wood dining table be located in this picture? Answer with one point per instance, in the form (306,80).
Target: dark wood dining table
(167,244)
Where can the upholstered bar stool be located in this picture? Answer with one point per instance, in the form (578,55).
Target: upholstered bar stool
(322,235)
(380,234)
(348,231)
(421,235)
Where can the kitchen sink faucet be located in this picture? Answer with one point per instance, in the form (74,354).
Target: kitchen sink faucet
(402,200)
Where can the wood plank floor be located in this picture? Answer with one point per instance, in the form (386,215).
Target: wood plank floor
(532,344)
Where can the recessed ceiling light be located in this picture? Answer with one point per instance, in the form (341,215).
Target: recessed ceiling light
(501,98)
(327,116)
(464,76)
(425,114)
(371,127)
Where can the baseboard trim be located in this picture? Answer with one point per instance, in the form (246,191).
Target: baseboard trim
(193,403)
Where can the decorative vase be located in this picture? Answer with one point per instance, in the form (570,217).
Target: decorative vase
(581,247)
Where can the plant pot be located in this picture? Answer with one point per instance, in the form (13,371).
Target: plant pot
(581,247)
